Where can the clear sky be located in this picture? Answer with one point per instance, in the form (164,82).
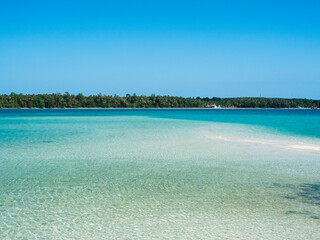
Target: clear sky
(183,48)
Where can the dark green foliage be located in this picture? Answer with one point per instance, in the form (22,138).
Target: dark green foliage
(154,101)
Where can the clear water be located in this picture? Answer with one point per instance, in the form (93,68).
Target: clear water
(159,174)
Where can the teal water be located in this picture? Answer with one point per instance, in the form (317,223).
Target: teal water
(159,174)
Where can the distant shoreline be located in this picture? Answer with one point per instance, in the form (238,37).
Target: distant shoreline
(152,108)
(79,101)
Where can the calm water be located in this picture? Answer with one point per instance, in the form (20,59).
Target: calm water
(160,174)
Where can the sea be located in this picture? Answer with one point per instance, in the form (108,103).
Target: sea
(159,174)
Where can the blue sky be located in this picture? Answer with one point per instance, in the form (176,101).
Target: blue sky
(182,48)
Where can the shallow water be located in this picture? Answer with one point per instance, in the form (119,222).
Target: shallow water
(168,174)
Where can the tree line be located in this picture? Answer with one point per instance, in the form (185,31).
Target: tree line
(67,100)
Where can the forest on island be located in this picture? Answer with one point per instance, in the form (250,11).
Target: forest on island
(67,100)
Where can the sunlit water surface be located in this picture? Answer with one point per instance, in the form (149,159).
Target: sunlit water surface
(167,174)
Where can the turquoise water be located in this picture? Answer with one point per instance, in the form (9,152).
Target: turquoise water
(159,174)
